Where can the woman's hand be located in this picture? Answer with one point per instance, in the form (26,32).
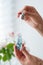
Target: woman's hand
(26,58)
(32,17)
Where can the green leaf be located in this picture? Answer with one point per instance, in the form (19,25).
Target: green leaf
(4,58)
(10,47)
(0,57)
(0,51)
(13,55)
(7,52)
(9,56)
(3,50)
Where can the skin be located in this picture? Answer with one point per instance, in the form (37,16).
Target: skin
(25,58)
(33,18)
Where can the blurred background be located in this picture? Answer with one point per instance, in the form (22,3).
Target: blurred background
(10,23)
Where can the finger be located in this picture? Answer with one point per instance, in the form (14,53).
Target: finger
(25,52)
(25,16)
(19,13)
(28,13)
(18,53)
(28,16)
(29,9)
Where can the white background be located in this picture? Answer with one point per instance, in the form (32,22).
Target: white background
(32,38)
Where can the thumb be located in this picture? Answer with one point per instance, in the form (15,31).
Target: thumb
(18,53)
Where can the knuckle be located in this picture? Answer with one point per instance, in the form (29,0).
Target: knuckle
(27,8)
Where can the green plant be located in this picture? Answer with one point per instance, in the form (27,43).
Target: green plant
(0,57)
(7,52)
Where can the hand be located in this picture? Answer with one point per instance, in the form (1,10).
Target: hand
(33,18)
(26,58)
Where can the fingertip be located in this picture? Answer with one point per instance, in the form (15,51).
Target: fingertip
(19,13)
(15,48)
